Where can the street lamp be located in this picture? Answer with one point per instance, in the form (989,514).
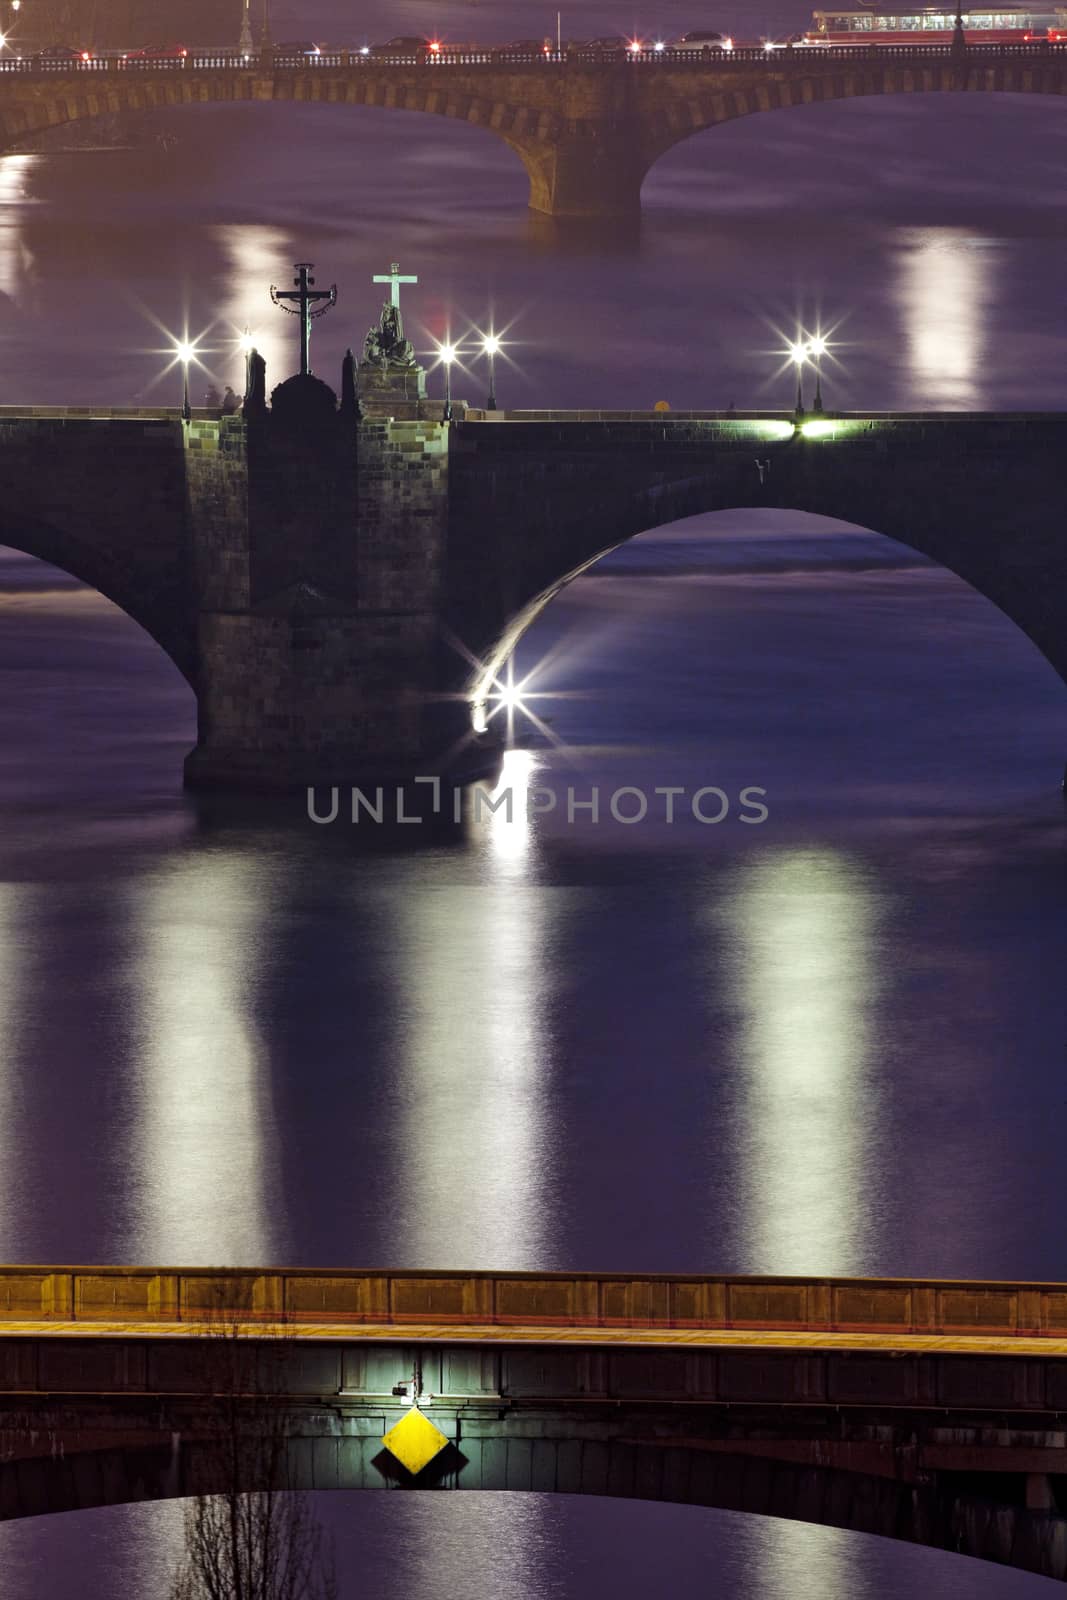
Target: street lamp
(185,353)
(959,38)
(817,349)
(799,351)
(491,344)
(447,353)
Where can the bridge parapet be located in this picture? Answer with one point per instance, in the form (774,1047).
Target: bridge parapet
(739,58)
(589,1301)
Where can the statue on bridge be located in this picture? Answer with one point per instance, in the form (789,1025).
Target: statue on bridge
(385,345)
(390,377)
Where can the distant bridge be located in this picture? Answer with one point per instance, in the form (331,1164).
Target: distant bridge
(587,128)
(932,1412)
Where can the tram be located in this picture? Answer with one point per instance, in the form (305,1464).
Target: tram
(1008,25)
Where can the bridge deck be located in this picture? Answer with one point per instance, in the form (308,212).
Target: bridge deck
(446,1333)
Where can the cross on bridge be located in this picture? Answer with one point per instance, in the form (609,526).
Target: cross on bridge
(394,279)
(306,306)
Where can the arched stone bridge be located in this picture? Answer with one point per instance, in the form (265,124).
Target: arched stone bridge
(927,1412)
(337,595)
(586,129)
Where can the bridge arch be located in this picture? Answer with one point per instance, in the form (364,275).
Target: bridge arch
(163,614)
(956,1516)
(58,102)
(978,541)
(864,77)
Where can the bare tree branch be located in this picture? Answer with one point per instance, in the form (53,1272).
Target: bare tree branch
(257,1539)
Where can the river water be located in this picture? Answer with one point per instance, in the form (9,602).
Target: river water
(828,1042)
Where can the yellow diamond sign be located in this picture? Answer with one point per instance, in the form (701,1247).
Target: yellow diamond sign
(414,1440)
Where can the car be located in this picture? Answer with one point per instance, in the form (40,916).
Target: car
(57,54)
(611,41)
(702,39)
(158,52)
(406,45)
(298,47)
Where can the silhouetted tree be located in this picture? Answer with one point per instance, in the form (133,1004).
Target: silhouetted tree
(256,1539)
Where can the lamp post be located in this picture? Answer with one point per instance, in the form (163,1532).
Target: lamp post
(185,352)
(491,344)
(447,353)
(246,44)
(959,38)
(817,349)
(798,354)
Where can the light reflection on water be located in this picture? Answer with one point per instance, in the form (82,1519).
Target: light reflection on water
(947,287)
(202,1126)
(16,261)
(476,1132)
(805,970)
(253,256)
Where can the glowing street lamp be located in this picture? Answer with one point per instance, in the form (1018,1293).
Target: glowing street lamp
(446,354)
(799,352)
(817,348)
(491,344)
(185,352)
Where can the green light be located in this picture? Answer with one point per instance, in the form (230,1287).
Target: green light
(818,429)
(760,428)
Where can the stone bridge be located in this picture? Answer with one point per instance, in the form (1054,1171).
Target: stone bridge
(340,596)
(928,1412)
(586,128)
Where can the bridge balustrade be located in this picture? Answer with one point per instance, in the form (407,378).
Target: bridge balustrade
(170,1295)
(711,61)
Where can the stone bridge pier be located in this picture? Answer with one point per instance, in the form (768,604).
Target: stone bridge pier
(320,546)
(595,173)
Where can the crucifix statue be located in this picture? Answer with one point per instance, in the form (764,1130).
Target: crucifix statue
(394,279)
(306,305)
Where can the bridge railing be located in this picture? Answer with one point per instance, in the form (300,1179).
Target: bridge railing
(499,57)
(152,1295)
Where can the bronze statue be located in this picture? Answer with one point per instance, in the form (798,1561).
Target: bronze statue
(385,345)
